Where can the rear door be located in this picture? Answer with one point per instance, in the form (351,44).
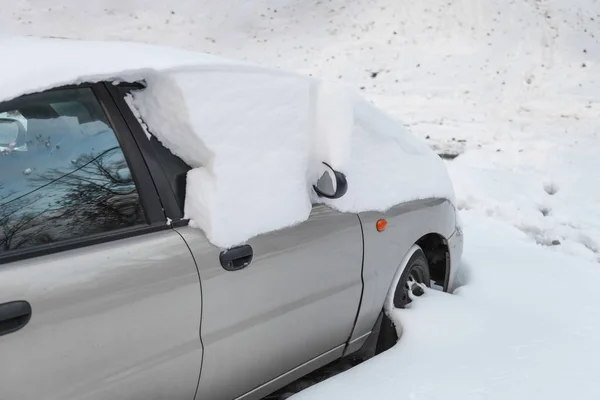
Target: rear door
(295,302)
(99,298)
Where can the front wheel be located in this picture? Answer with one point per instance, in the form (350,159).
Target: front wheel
(415,273)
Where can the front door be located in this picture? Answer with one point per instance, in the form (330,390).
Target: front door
(296,300)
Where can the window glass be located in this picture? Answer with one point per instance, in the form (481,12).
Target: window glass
(62,172)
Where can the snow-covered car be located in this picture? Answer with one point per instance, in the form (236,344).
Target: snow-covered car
(146,254)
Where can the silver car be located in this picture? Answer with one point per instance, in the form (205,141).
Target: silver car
(100,298)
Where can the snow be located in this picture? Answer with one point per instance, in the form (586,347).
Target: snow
(247,136)
(70,62)
(255,137)
(138,116)
(509,88)
(387,163)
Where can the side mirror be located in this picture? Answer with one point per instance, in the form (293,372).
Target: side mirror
(332,184)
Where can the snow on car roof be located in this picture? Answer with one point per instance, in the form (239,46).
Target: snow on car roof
(255,137)
(32,64)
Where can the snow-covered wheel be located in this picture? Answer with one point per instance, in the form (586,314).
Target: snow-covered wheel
(412,277)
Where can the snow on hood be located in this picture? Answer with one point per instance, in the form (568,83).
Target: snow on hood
(254,137)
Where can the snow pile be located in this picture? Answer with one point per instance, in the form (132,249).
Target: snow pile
(70,62)
(246,134)
(524,326)
(254,137)
(387,164)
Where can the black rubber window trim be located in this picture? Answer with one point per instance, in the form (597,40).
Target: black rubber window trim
(65,245)
(172,207)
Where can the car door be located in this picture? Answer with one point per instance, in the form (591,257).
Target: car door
(99,298)
(296,301)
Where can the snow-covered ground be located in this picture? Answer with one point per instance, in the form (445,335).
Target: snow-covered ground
(512,89)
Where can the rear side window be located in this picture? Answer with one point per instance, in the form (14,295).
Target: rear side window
(62,172)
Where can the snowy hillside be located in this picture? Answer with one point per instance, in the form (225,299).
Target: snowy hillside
(509,92)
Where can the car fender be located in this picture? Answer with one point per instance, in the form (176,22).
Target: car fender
(385,251)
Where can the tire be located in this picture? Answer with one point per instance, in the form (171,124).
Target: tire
(416,268)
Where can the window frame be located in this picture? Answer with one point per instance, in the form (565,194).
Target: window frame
(151,202)
(172,207)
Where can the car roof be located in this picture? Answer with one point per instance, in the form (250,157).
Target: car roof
(32,64)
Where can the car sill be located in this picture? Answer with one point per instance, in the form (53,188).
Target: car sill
(356,344)
(294,374)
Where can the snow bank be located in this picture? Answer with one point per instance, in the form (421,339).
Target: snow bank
(254,137)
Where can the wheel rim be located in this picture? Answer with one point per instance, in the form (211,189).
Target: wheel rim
(410,279)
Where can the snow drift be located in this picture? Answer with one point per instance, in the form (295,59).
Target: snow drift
(255,137)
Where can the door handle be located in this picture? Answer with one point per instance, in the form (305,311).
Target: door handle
(236,258)
(14,316)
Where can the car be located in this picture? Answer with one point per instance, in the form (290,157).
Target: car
(106,292)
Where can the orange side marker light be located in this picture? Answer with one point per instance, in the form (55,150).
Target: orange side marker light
(381,225)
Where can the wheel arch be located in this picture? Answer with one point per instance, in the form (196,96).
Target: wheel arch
(437,252)
(384,333)
(426,223)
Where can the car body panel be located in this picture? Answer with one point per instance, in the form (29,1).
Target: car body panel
(384,251)
(296,301)
(117,320)
(296,373)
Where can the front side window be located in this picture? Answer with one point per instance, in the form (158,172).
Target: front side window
(62,172)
